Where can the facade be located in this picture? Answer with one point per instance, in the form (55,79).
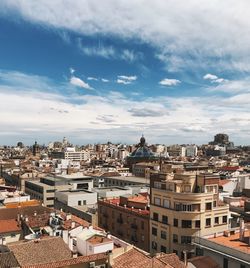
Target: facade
(126,218)
(122,181)
(182,208)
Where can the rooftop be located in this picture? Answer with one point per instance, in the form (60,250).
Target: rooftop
(7,226)
(8,260)
(42,251)
(115,202)
(233,241)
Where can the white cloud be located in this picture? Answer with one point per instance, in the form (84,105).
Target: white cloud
(126,80)
(104,80)
(210,77)
(92,78)
(76,81)
(71,70)
(129,78)
(169,82)
(180,40)
(214,78)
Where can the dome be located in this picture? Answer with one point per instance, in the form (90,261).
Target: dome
(142,151)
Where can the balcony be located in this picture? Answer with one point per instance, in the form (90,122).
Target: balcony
(133,226)
(120,220)
(105,215)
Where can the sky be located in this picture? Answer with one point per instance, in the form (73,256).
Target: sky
(97,71)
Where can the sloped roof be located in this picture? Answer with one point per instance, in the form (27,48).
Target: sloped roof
(8,260)
(50,249)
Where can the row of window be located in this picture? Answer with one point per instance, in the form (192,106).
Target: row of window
(188,223)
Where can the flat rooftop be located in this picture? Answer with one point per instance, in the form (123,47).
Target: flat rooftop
(77,192)
(233,241)
(133,179)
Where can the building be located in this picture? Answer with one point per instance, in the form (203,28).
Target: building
(230,249)
(142,153)
(182,208)
(122,181)
(126,217)
(45,189)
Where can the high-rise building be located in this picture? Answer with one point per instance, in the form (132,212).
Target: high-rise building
(182,208)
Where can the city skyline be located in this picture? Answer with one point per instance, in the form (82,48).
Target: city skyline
(177,73)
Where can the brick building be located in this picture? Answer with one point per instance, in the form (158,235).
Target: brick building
(126,217)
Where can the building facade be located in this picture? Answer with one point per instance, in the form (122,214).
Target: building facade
(182,208)
(126,218)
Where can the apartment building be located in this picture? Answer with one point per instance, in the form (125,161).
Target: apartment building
(45,188)
(126,217)
(184,207)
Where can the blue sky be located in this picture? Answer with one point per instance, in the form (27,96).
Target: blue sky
(111,71)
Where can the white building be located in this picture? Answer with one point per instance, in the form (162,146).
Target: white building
(75,198)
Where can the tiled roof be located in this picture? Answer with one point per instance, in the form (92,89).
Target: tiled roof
(204,262)
(11,213)
(8,260)
(72,261)
(42,251)
(171,259)
(7,226)
(135,258)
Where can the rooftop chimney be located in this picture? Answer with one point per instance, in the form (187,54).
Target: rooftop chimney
(68,217)
(242,229)
(185,257)
(73,224)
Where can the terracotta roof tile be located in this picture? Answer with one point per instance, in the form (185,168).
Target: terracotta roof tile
(42,251)
(7,226)
(72,261)
(204,262)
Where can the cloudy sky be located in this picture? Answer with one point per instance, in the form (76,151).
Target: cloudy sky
(96,70)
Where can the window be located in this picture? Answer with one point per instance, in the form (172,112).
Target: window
(79,203)
(216,220)
(177,206)
(225,263)
(208,222)
(224,219)
(209,206)
(164,235)
(113,214)
(13,235)
(175,238)
(157,184)
(84,202)
(154,245)
(142,225)
(176,222)
(186,224)
(242,266)
(197,224)
(166,203)
(50,198)
(163,249)
(164,219)
(187,207)
(155,216)
(142,238)
(175,251)
(154,231)
(157,201)
(186,239)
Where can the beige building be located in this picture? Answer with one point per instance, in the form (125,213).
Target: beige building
(182,208)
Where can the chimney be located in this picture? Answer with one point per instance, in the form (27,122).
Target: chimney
(242,229)
(68,217)
(185,257)
(73,224)
(74,254)
(110,259)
